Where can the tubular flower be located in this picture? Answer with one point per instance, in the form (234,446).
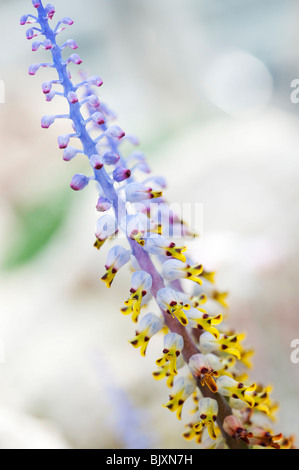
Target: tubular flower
(262,438)
(220,297)
(173,345)
(130,202)
(106,227)
(227,344)
(140,285)
(206,416)
(175,269)
(190,433)
(149,325)
(198,300)
(261,399)
(234,428)
(182,389)
(199,318)
(117,257)
(174,303)
(209,276)
(139,227)
(164,371)
(245,355)
(202,369)
(161,246)
(221,364)
(136,192)
(229,387)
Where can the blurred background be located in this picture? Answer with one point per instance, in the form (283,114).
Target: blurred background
(205,85)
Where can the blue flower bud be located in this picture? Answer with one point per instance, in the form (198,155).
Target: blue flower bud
(79,182)
(120,174)
(110,158)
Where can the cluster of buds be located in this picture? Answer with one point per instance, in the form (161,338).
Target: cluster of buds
(211,359)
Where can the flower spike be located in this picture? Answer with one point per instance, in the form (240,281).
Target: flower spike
(216,358)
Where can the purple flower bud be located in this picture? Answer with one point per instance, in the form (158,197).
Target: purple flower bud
(110,158)
(72,44)
(98,118)
(120,174)
(103,204)
(47,121)
(36,45)
(48,44)
(79,182)
(115,131)
(95,80)
(67,20)
(69,153)
(75,58)
(36,3)
(50,95)
(72,97)
(33,68)
(93,101)
(24,19)
(63,141)
(46,87)
(96,162)
(50,11)
(30,33)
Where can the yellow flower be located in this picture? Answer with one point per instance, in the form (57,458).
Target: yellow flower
(182,388)
(229,387)
(198,318)
(228,344)
(149,325)
(164,370)
(176,269)
(206,416)
(174,303)
(141,285)
(173,345)
(202,369)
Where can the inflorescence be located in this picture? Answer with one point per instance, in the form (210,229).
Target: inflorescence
(229,410)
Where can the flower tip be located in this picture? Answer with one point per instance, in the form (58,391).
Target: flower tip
(33,68)
(79,182)
(23,20)
(72,97)
(47,121)
(36,3)
(50,11)
(120,174)
(76,59)
(96,162)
